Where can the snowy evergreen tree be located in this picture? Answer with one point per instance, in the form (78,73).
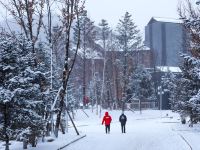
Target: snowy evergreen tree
(87,36)
(183,88)
(129,40)
(103,37)
(87,29)
(22,89)
(104,32)
(189,83)
(128,34)
(140,85)
(170,82)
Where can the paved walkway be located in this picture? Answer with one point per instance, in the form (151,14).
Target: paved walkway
(142,134)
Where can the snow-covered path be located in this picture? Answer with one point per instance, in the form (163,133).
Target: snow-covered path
(147,131)
(151,130)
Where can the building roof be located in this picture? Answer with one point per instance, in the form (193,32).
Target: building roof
(168,20)
(169,69)
(146,48)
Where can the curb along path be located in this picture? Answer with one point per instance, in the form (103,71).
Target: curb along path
(72,142)
(182,137)
(185,141)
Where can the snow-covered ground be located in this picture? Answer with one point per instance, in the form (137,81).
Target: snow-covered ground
(151,130)
(63,139)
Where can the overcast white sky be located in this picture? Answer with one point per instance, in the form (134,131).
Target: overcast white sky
(141,10)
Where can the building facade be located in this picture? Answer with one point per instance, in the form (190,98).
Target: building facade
(165,38)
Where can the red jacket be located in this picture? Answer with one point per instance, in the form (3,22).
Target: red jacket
(107,119)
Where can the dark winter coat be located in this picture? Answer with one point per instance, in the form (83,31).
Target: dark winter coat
(107,119)
(123,119)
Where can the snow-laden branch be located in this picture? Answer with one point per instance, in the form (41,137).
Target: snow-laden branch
(56,98)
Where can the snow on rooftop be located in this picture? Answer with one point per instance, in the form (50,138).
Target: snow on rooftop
(90,54)
(168,69)
(146,48)
(172,20)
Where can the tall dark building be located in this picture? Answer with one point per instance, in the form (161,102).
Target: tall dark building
(165,38)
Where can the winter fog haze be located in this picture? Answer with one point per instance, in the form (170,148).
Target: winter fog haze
(141,10)
(79,74)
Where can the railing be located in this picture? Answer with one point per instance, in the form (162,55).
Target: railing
(144,105)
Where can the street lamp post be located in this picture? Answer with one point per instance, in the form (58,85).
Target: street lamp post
(160,92)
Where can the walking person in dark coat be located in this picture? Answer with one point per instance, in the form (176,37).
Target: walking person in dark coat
(122,120)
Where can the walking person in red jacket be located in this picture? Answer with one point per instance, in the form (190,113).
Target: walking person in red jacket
(107,119)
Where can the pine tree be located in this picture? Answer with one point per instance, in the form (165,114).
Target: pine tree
(189,83)
(183,88)
(87,35)
(170,82)
(129,40)
(141,86)
(104,32)
(128,34)
(103,36)
(22,87)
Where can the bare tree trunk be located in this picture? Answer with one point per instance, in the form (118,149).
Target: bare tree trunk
(32,139)
(84,67)
(140,105)
(125,82)
(25,143)
(96,89)
(6,124)
(72,8)
(59,112)
(102,88)
(93,80)
(72,122)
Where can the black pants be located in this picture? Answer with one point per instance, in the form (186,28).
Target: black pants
(107,128)
(123,128)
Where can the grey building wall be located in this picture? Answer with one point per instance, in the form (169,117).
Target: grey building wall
(147,36)
(165,40)
(174,43)
(156,44)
